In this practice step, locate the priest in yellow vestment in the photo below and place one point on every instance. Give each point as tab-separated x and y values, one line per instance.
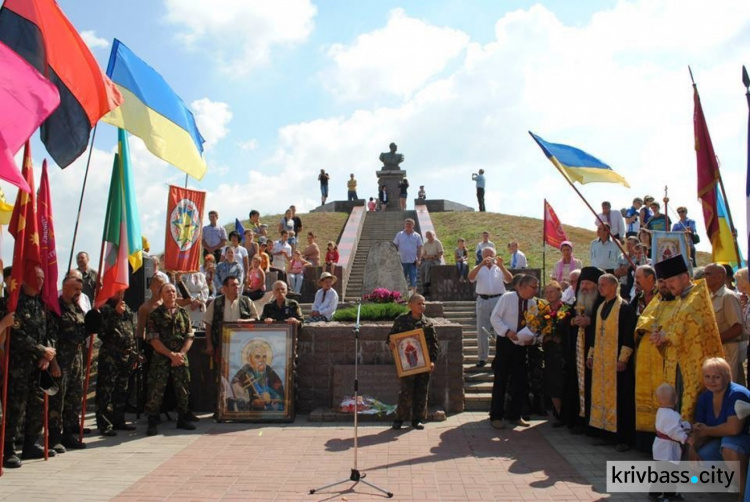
649	362
612	378
690	337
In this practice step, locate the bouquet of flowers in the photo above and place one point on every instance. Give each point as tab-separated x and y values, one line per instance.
546	321
383	295
539	320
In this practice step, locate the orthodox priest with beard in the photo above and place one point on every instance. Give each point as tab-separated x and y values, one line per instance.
610	360
575	408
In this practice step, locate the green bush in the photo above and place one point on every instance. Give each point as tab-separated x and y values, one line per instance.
371	312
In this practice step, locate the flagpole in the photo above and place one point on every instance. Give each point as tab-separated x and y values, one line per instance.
80	202
609	230
92	340
746	83
6	363
544	243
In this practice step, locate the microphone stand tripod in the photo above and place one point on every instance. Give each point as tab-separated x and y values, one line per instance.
356	475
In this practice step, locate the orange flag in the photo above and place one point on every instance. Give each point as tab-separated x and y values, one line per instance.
23	227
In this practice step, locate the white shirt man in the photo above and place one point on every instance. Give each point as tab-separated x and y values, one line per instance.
603	251
614	219
486	243
517	258
490	277
510	365
282	251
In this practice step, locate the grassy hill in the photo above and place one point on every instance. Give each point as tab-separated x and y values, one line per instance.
450	226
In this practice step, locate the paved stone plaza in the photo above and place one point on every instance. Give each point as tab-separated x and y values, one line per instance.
462	458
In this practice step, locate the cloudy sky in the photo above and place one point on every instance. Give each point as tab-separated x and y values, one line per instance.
283	88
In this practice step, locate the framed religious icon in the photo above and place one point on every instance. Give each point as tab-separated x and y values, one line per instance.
410	353
256	374
665	245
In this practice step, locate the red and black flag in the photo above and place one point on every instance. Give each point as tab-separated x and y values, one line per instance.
40	33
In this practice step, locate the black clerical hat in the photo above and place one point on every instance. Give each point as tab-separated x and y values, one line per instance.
671	267
590	274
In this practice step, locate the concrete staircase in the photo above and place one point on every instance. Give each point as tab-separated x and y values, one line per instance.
379	226
477	381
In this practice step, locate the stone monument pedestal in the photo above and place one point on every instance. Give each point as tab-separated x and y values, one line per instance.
391	178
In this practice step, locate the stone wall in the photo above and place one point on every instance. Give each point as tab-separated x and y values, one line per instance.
326	360
442	205
446	287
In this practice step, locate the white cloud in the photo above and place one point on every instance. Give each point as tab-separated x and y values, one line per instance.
212	118
617	87
94	42
249	145
243	33
397	59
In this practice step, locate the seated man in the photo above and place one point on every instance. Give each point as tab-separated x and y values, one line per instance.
326	299
281	309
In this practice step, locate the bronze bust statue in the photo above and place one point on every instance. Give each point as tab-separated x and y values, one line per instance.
391	160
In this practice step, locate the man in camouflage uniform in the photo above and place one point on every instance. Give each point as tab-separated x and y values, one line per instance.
117	357
170	333
412	398
29	353
70	336
282	309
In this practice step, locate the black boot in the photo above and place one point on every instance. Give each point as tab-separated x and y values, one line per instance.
55	441
10	459
119	423
416	425
192	417
153	421
32	450
70	439
184	423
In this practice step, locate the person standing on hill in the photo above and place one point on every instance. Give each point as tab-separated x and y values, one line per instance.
478	178
323	178
351	187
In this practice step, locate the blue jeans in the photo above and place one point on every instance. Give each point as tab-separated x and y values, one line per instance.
324	190
463	269
410	274
712	450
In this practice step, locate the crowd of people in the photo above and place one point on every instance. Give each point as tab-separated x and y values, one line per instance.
140	352
617	346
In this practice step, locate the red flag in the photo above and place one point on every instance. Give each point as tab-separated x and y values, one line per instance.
184	228
23	227
708	169
48	251
554	235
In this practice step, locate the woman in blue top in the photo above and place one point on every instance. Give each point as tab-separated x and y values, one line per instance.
718	433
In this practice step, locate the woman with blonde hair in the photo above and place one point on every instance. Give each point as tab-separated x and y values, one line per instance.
718	433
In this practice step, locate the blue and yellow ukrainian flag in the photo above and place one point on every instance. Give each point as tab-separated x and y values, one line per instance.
723	249
578	165
152	111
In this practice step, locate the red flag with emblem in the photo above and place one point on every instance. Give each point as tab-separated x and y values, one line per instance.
48	250
554	235
182	248
23	228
